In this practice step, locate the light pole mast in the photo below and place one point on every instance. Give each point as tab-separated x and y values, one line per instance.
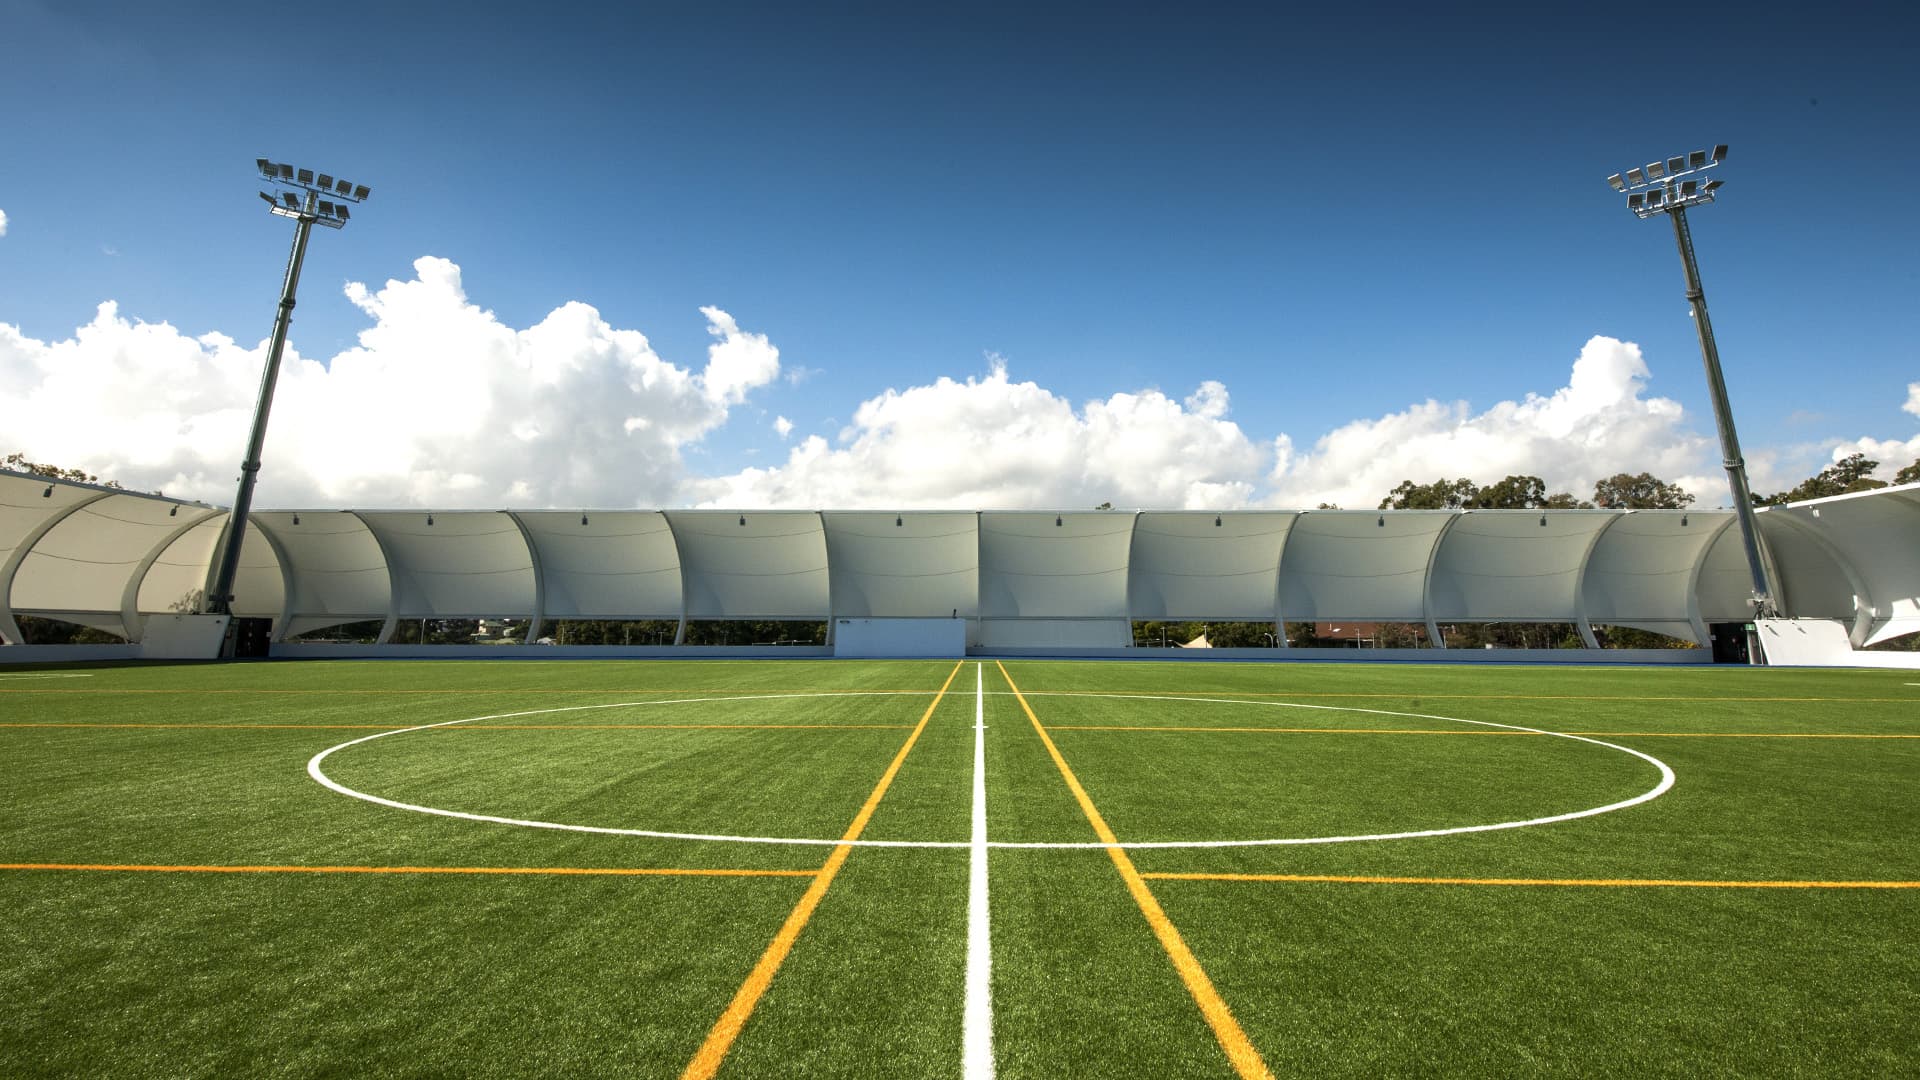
306	205
1669	187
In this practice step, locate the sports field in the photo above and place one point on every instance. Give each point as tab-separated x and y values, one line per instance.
902	869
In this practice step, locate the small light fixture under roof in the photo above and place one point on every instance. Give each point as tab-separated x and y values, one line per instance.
429	520
296	519
47	494
743	519
1057	523
1543	521
1382	522
1618	183
1216	521
583	517
898	521
1683	521
174	510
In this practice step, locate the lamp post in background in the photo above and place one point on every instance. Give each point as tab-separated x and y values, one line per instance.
309	200
1669	187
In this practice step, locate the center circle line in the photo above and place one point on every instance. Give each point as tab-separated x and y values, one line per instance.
319	776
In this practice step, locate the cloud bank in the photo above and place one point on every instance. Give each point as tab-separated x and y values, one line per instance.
441	404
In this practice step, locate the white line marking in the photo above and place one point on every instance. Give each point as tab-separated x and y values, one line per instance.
86	675
1666	783
977	1037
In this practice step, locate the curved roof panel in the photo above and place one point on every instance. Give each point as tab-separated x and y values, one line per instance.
1054	565
333	560
1879	535
466	563
903	565
762	564
85	562
1351	564
1641	569
605	564
1187	565
1513	565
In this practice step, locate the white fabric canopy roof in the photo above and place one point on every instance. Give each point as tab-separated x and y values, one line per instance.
109	559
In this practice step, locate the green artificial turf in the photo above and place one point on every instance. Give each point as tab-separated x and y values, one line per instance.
259	973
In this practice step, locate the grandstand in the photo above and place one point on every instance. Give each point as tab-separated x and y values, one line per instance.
947	583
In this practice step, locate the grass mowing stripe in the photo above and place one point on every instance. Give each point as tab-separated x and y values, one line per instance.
1239	1049
1178	694
1353	879
481	727
585	871
976	1058
1427	731
706	1061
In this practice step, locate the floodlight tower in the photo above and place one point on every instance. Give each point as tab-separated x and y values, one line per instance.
1669	187
308	200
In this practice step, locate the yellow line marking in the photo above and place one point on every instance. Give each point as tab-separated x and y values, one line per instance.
476	727
706	1061
1596	882
591	871
1466	731
1240	1050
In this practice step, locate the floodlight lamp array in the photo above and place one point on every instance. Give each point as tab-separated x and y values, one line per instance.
332	188
1662	186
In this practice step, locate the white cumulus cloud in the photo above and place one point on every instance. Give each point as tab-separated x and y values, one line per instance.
783	425
994	442
1892	454
1598	425
439	404
3	223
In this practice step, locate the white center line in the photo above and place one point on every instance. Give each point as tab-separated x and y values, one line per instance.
977	1033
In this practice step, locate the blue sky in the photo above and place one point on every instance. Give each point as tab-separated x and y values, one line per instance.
1335	216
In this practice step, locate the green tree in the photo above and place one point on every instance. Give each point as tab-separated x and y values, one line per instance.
1439	495
1908	475
18	463
1512	493
1851	473
1642	492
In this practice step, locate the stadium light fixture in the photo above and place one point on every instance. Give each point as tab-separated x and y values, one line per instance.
303	205
1670	188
